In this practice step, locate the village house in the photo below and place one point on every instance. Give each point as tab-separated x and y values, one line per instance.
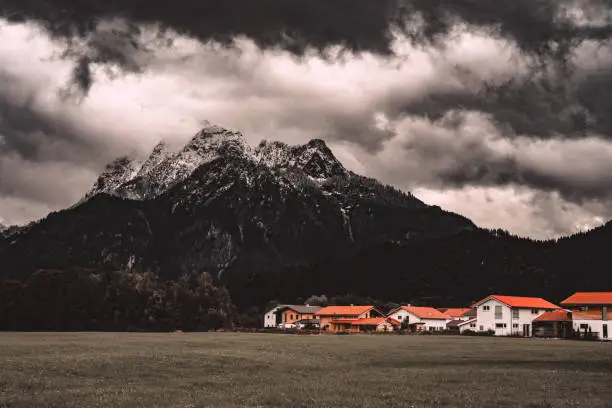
555	324
271	318
510	315
464	313
459	326
289	314
590	312
421	318
353	319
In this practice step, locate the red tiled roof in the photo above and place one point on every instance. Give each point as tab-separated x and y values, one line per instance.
556	316
589	315
373	321
455	312
343	310
426	312
521	301
589	298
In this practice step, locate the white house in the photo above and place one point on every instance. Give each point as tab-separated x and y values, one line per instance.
426	318
510	315
271	318
462	325
591	311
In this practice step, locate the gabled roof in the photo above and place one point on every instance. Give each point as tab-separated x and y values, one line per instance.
344	310
459	323
556	316
589	315
520	301
372	321
456	312
425	312
589	298
302	309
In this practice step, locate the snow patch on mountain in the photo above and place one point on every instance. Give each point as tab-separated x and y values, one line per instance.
314	158
149	178
146	179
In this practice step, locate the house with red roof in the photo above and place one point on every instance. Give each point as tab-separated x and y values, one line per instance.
510	315
421	318
591	312
354	319
555	324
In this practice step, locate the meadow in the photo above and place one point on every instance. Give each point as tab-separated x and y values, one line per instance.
272	370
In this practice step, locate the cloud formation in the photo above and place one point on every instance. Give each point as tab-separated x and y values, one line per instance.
458	101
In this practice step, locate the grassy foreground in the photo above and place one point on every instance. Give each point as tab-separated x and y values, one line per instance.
268	370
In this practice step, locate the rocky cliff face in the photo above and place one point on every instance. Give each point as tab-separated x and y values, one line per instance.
220	205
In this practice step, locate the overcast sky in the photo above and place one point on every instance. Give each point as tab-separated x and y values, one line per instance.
500	112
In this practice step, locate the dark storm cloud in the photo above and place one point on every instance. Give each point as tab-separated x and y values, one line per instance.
36	135
357	24
539	26
272	94
536	107
536	25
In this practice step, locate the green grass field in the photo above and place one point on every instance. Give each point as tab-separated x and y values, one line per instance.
268	370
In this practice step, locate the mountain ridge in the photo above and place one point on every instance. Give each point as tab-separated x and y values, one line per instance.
218	204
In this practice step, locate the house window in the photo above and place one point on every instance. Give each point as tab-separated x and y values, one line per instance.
291	317
500	325
584	326
472	324
485	308
399	317
498	312
515	325
584	308
515	313
535	311
604	313
481	328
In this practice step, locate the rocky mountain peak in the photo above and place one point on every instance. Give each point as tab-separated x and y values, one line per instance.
213	137
114	175
313	158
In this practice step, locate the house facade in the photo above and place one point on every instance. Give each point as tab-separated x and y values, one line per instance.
556	324
510	315
591	313
460	326
289	314
378	324
341	318
421	318
271	317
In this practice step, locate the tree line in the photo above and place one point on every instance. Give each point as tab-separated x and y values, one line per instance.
78	299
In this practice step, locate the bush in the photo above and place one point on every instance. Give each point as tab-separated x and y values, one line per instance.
487	333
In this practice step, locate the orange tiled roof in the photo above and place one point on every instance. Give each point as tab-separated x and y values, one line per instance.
589	315
556	316
343	310
373	321
426	312
589	298
456	312
521	301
